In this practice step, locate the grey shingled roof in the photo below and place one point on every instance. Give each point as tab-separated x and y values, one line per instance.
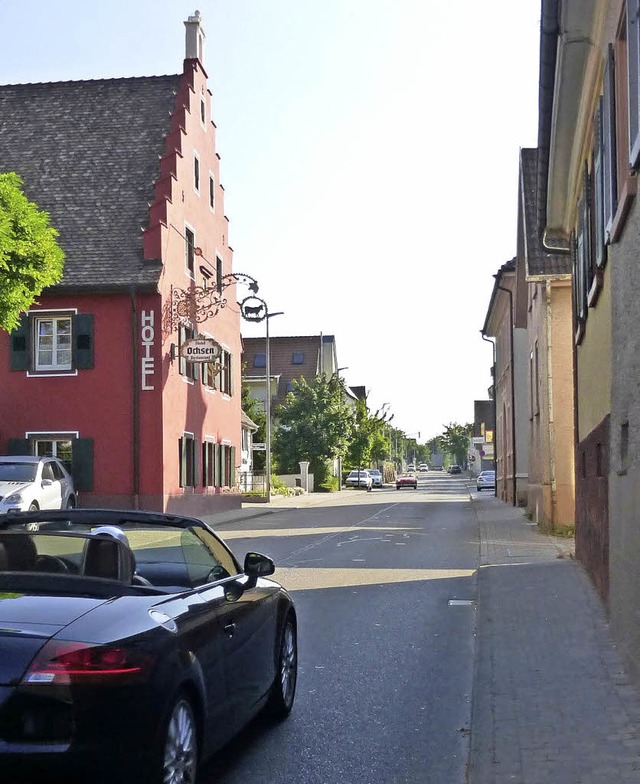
88	154
539	261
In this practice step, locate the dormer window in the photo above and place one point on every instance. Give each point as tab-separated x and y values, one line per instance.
260	360
297	358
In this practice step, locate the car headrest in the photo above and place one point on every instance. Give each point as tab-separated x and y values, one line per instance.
4	558
106	557
20	552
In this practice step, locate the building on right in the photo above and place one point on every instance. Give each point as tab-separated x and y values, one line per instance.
588	159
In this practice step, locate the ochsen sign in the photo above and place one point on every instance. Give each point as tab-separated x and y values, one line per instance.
200	350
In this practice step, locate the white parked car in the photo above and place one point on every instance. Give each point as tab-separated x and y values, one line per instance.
31	482
486	479
376	475
359	479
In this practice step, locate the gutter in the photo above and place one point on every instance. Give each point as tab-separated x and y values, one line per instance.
552	424
135	397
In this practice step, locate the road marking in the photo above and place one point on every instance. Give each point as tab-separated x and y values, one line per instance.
295	579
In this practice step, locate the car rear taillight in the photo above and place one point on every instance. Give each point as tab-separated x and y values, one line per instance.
72	663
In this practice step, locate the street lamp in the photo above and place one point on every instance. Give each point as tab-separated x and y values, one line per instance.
268	403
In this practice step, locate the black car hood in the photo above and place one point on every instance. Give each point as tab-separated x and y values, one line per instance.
27	621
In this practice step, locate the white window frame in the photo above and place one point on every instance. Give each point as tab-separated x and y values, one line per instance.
197	172
203	105
191	274
39	367
212	192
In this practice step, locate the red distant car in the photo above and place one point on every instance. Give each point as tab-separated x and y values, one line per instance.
407	480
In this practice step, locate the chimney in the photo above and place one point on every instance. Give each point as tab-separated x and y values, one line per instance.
194	38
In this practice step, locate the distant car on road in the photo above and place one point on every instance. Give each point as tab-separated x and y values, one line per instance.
29	483
486	479
406	480
423	467
411	467
455	469
359	479
376	476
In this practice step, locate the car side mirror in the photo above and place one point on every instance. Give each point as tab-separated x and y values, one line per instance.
257	565
47	482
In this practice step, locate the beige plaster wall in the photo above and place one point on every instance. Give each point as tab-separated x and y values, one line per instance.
594	364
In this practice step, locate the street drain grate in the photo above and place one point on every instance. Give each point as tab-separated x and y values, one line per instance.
461	602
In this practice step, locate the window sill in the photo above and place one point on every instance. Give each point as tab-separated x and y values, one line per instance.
624	205
596	288
51	373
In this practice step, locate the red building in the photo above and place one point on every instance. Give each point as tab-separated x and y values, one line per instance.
128	171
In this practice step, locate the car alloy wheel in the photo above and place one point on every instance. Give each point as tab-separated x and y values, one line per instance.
180	754
284	685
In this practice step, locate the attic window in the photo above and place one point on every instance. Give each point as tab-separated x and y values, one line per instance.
297	358
260	360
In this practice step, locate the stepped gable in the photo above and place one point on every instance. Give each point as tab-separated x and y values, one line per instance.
88	153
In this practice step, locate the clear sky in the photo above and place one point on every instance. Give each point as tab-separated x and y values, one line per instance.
369	158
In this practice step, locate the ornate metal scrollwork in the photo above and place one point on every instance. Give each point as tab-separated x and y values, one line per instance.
200	303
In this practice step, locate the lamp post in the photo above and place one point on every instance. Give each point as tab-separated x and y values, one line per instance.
267	403
255	309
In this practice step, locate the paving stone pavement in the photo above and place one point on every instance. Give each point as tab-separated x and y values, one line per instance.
552	702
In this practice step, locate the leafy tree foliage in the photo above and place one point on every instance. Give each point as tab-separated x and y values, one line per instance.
315	423
455	441
369	442
30	257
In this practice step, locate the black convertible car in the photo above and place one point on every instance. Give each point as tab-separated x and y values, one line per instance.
133	644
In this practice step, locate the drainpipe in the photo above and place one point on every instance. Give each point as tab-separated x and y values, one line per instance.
495	413
135	424
552	424
513	394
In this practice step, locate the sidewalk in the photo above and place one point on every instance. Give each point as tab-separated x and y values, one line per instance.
551	703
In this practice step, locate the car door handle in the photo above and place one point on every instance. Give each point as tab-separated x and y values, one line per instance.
230	628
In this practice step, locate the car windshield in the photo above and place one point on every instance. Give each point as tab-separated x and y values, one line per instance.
18	472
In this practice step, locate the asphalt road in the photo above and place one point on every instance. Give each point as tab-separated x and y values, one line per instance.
386	658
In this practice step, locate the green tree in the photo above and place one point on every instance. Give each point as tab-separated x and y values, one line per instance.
30	257
254	409
455	441
314	423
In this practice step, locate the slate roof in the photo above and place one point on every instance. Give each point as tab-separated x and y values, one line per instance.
88	154
538	260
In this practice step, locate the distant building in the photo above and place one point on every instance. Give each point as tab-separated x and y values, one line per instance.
292	358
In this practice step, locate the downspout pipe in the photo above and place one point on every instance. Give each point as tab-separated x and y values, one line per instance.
513	393
135	398
495	412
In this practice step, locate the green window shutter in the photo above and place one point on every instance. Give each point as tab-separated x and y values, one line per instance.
232	478
205	463
231	369
194	447
19	446
19	339
218	466
182	363
182	461
83	341
82	463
